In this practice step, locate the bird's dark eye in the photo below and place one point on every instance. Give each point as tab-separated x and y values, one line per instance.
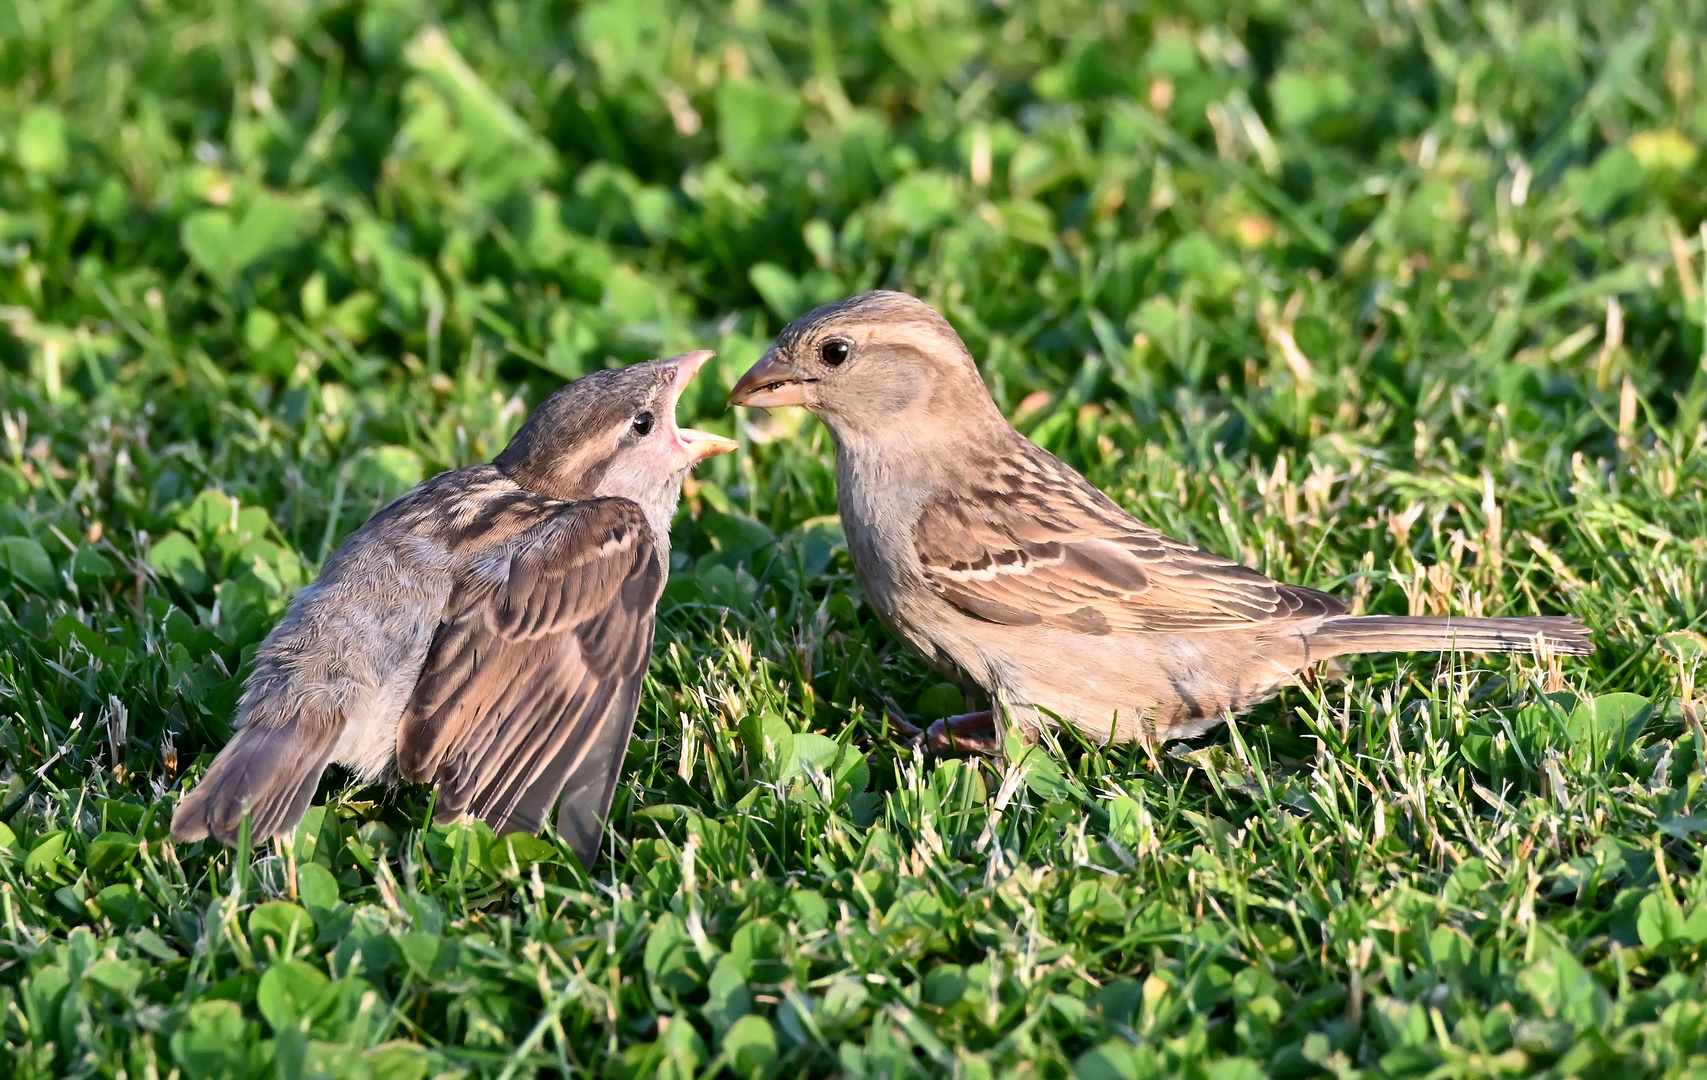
834	352
643	423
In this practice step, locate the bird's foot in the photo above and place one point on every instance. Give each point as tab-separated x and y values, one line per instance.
906	732
968	733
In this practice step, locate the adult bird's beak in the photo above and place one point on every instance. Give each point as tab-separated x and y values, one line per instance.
769	384
698	444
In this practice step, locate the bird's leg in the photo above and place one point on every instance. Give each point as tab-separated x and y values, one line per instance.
968	733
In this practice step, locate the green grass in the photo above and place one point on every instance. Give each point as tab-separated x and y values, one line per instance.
1400	300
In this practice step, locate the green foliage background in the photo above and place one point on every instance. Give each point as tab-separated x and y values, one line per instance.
1402	300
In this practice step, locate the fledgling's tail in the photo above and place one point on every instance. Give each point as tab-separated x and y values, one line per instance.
1448	633
269	770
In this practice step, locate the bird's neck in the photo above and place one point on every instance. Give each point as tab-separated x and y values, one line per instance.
925	453
657	501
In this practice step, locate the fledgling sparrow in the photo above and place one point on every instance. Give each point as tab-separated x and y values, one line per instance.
488	630
1003	566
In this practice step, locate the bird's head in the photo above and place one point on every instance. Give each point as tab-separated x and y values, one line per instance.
614	433
869	364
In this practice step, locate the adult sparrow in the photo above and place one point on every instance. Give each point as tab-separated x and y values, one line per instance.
1005	567
488	630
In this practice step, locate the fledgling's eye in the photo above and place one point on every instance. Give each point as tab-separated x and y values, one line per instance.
834	352
643	423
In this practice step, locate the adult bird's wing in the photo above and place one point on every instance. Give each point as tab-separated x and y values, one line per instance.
1034	543
533	679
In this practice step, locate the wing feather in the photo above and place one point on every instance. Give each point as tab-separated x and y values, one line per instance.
1037	544
536	665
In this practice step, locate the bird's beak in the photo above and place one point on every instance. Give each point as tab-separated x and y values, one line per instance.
703	444
687	365
699	445
769	384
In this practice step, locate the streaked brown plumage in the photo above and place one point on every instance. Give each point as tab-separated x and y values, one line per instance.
488	630
1002	565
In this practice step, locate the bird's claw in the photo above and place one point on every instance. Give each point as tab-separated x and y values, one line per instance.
908	733
968	733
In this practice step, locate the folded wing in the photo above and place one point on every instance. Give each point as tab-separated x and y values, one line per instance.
533	679
1038	545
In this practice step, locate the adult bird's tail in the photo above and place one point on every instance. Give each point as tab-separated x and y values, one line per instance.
269	769
1448	633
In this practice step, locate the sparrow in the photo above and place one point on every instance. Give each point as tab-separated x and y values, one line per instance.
1004	567
487	631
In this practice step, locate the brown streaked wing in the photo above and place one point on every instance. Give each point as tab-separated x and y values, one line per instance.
1036	544
534	676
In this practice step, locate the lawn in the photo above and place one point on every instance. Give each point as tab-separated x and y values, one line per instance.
1399	300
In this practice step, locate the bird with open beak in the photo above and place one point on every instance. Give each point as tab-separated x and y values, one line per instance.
488	630
1002	565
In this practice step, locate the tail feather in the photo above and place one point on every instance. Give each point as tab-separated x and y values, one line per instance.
270	772
1448	633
